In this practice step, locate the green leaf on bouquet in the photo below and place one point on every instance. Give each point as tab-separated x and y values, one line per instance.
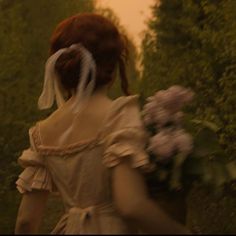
176	174
210	125
179	160
175	183
162	175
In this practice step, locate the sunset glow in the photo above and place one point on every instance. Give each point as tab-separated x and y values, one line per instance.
132	13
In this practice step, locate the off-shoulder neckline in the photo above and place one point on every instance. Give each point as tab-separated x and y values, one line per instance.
35	136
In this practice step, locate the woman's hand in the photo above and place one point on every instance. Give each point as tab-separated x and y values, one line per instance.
132	200
31	211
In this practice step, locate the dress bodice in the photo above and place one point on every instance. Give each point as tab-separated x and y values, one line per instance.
81	172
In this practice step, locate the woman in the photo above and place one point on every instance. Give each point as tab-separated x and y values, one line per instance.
91	149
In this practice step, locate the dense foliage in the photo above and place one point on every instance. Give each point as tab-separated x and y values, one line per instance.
185	150
26	27
193	43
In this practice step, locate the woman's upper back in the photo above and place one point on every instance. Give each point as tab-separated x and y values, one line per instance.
80	168
63	127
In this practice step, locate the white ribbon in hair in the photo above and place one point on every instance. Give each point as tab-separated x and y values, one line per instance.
51	87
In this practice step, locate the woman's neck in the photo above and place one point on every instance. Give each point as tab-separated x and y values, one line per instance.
101	92
98	94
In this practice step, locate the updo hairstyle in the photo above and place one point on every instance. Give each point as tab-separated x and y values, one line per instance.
101	38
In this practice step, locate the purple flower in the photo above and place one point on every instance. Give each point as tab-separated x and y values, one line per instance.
180	97
162	145
183	141
178	117
172	99
161	117
150	99
147	119
163	98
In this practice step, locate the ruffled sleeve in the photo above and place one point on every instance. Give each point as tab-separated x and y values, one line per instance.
35	174
126	136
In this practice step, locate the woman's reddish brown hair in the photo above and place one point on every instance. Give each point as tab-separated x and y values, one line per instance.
98	35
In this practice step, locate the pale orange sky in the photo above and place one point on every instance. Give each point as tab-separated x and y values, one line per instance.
132	14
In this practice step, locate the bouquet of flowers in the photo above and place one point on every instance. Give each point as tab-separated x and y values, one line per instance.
184	150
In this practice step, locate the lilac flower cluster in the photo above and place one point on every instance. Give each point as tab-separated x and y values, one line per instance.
163	110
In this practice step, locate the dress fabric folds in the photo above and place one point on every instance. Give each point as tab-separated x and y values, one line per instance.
81	172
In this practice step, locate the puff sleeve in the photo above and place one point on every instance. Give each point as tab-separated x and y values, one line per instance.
35	174
126	136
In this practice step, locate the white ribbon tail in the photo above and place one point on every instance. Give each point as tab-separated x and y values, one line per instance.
47	96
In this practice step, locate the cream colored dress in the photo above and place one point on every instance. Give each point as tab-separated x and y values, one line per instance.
81	172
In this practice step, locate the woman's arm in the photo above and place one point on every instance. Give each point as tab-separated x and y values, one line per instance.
133	202
31	211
